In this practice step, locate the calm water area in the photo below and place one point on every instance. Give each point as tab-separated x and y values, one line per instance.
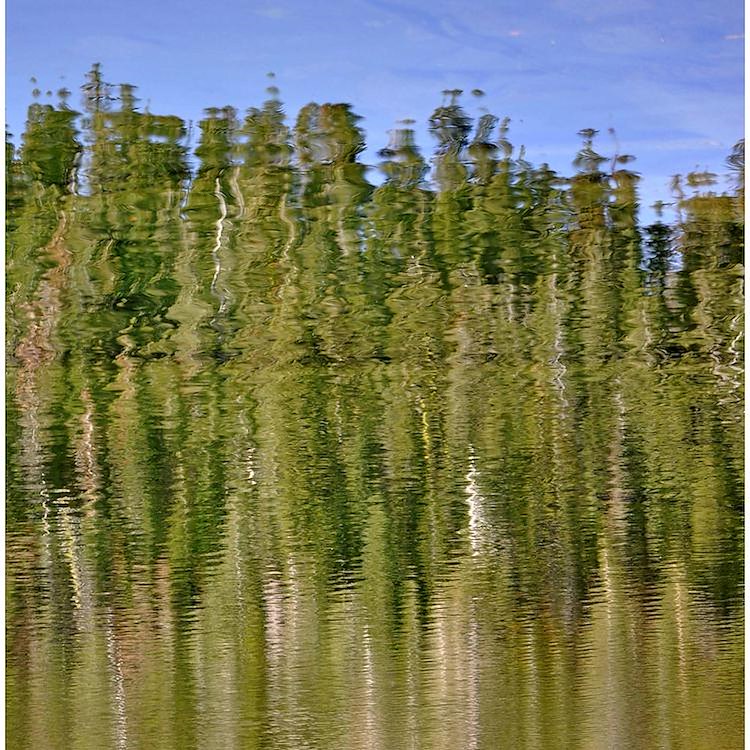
295	460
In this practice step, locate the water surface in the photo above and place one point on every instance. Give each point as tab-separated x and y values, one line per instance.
297	461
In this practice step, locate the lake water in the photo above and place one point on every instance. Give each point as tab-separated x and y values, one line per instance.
298	462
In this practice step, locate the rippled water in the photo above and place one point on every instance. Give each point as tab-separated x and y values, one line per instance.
297	462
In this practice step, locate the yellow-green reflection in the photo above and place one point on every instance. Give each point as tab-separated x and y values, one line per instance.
299	461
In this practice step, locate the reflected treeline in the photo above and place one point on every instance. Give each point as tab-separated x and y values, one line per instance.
298	460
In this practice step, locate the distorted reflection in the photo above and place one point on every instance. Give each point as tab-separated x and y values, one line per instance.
298	461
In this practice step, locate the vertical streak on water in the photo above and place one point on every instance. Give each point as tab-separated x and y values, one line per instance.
294	636
82	595
736	326
73	182
204	718
221	295
680	621
85	455
236	192
473	677
183	646
648	337
531	730
281	601
118	684
224	673
33	352
475	501
665	728
558	365
372	740
88	474
441	696
611	721
274	625
290	224
671	637
31	458
617	482
123	411
272	575
250	469
411	629
429	468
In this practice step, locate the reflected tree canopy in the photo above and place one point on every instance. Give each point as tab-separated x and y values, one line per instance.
453	458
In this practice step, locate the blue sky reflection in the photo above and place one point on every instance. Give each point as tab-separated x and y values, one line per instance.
667	76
